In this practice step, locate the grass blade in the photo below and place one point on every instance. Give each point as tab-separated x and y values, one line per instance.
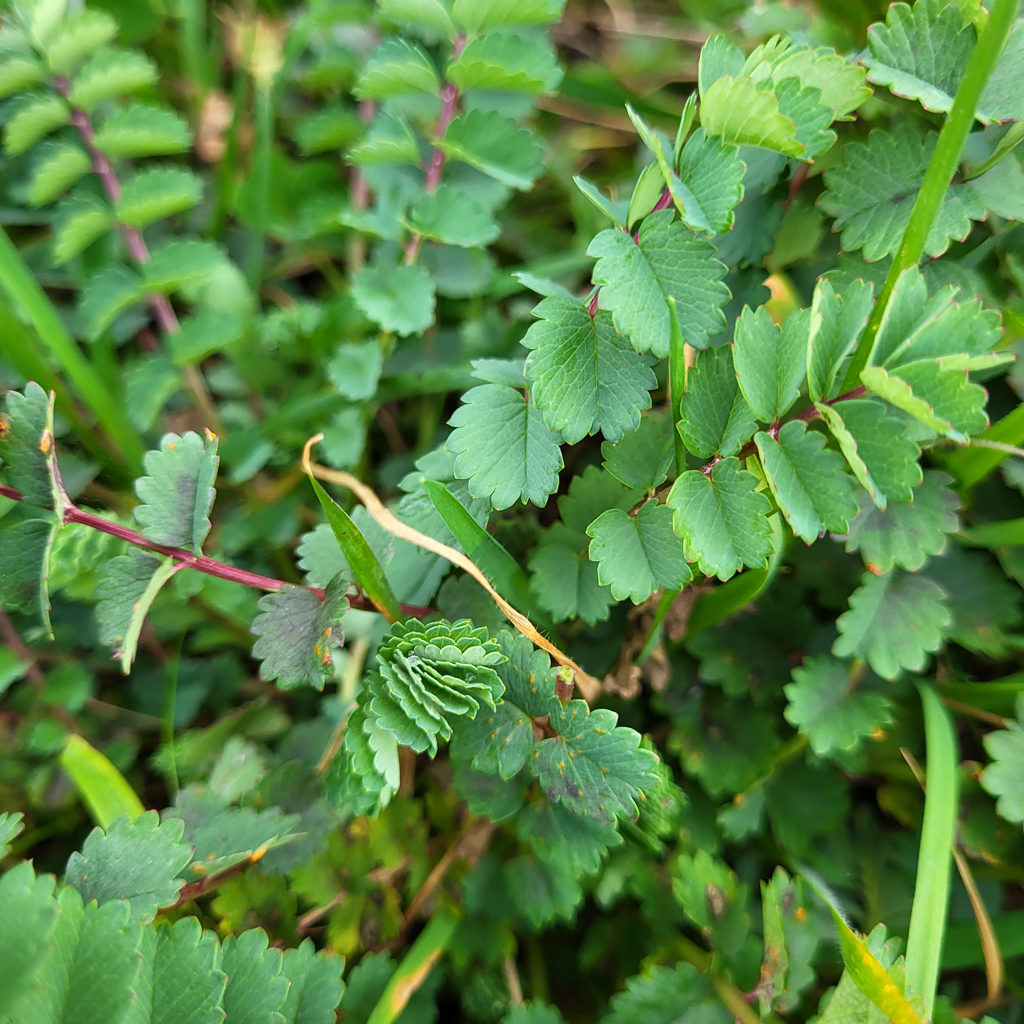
102	787
931	892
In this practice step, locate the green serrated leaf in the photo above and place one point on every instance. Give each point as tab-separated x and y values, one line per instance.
434	15
533	1013
741	113
78	222
666	995
58	165
509	61
555	833
28	915
541	891
481	16
157	193
644	456
895	621
503	447
804	107
256	988
770	362
396	68
390	140
584	376
872	192
355	369
840	82
143	130
637	554
453	217
11	826
77	38
637	278
179	976
1003	777
297	632
315	987
906	533
182	263
34	120
25	543
716	419
110	74
487	794
496	145
23	449
808	481
564	581
712	171
20	72
876	446
107	295
592	765
942	397
135	860
177	492
825	706
399	299
835	325
201	335
722	519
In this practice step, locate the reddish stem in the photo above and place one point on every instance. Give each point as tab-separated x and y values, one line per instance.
202	563
449	103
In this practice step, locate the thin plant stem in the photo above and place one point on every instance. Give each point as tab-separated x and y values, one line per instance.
263	118
201	563
25	293
941	168
163	311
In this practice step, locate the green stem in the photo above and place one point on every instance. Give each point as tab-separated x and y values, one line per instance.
262	148
1006	145
676	382
941	169
415	967
24	291
194	59
931	892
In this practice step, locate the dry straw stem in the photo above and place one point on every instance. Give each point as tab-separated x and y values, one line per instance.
589	687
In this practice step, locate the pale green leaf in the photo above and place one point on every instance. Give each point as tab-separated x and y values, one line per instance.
396	298
496	145
1003	778
396	68
57	166
111	73
739	112
480	16
143	130
33	120
355	369
508	61
181	263
78	222
79	37
157	193
19	72
453	217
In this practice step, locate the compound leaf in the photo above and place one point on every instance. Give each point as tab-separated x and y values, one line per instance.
138	861
496	145
825	706
399	299
894	622
584	375
503	447
872	192
638	278
297	633
722	519
770	361
808	480
177	491
636	554
143	130
593	765
715	418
